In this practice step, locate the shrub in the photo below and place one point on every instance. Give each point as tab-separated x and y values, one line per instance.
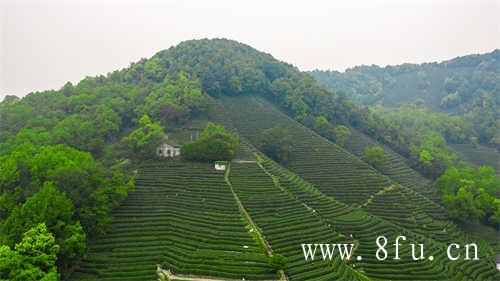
341	133
375	155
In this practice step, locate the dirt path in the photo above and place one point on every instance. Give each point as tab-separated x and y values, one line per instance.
378	193
257	230
169	276
244	161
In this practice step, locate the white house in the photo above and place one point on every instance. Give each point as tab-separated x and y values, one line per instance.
168	149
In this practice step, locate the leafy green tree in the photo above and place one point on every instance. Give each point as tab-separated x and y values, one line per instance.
106	122
276	142
55	210
46	206
92	189
425	157
174	100
341	133
471	194
323	127
78	132
33	258
214	143
39	247
144	140
375	155
433	154
14	116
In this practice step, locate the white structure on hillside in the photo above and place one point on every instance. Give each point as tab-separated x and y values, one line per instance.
168	149
220	165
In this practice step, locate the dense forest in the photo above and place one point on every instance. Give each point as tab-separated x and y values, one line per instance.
68	157
466	86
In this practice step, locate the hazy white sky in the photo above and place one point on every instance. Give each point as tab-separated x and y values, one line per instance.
43	44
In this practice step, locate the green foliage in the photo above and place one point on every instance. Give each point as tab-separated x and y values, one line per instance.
471	194
375	155
323	127
341	133
92	189
144	140
432	154
214	143
425	157
276	142
171	87
33	259
174	100
423	136
78	132
55	210
277	262
464	86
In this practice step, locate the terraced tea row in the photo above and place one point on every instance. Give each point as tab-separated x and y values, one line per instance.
395	166
365	228
478	155
286	223
333	170
311	154
184	217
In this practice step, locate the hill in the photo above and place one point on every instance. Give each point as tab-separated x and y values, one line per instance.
81	145
284	207
467	87
457	85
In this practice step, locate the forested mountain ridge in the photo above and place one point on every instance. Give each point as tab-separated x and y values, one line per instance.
448	86
467	86
79	147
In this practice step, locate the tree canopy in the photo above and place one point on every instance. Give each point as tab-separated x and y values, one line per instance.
276	142
341	133
375	155
144	140
33	258
214	143
471	194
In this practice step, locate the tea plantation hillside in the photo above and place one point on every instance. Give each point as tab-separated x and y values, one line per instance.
340	174
364	228
286	223
183	217
395	166
478	155
87	144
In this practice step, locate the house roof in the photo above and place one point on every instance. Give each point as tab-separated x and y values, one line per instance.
172	143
